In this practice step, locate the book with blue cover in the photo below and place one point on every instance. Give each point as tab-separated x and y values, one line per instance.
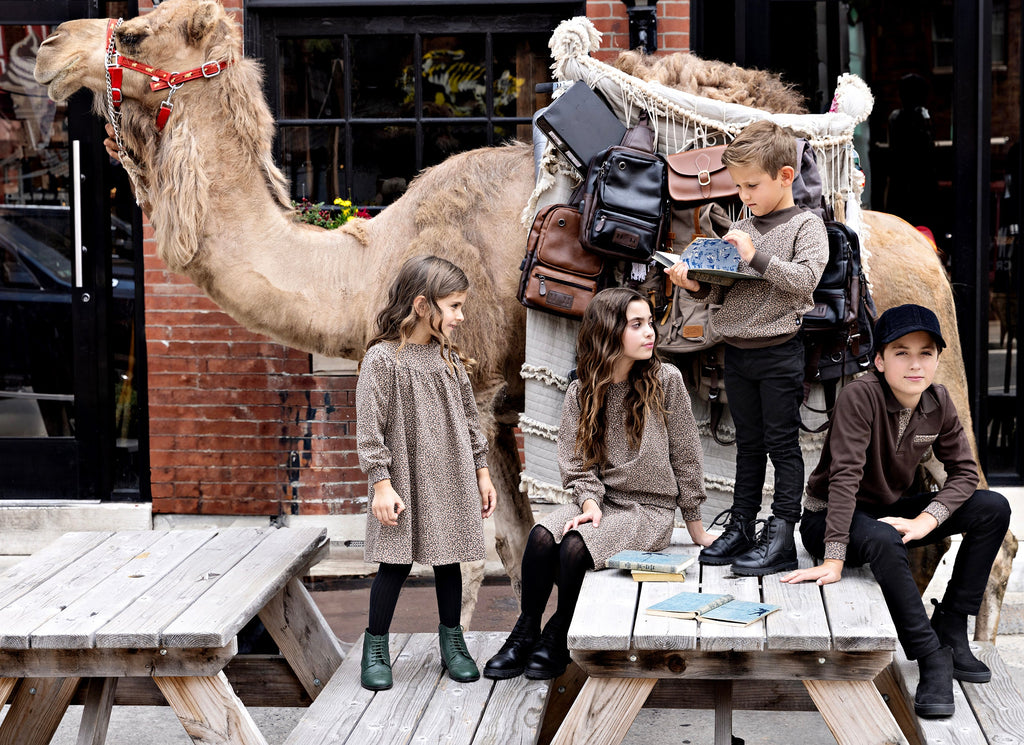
702	606
651	561
708	260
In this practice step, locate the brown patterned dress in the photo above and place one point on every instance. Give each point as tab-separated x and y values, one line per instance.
637	490
417	424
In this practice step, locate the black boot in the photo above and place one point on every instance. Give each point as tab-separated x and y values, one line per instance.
774	551
934	697
510	661
736	539
551	655
951	628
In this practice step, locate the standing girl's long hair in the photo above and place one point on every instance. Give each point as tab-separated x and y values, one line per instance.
598	347
434	278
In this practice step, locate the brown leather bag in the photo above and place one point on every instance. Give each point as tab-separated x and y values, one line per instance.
559	275
698	176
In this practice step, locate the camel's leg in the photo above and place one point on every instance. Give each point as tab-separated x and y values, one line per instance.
987	623
472	578
513	518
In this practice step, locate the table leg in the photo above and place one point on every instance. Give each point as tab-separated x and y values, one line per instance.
210	711
855	712
892	694
6	686
723	712
303	636
99	700
603	711
36	710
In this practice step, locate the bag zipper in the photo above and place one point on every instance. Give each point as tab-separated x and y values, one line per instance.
544	290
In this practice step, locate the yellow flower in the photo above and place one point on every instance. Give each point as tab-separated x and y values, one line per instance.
342	202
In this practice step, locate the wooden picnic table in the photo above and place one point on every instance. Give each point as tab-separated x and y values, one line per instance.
96	607
828	643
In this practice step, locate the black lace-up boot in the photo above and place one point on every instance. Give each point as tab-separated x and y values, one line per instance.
736	539
510	661
774	550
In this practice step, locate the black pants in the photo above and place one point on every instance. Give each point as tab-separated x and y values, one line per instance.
983	519
765	389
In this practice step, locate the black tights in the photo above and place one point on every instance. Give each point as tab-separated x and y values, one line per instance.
388	584
545	563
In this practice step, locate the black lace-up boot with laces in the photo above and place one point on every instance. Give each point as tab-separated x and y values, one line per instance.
736	539
510	661
774	550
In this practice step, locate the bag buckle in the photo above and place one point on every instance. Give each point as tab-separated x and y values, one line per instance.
704	178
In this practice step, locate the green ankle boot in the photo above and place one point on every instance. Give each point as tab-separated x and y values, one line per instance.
454	655
376	666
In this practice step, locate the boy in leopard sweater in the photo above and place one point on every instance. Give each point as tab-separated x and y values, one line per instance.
787	248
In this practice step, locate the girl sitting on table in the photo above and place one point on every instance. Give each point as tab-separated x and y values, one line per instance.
629	452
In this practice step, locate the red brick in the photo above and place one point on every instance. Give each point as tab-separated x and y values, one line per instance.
174	506
598	9
672	25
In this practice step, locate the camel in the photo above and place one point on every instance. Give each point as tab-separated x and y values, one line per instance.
221	215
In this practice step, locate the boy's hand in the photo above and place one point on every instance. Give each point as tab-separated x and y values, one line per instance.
488	495
743	242
829	571
591	514
677	275
386	505
109	144
912	530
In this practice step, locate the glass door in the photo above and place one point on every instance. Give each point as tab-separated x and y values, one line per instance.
68	233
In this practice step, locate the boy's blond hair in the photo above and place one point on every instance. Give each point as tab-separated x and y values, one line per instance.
763	144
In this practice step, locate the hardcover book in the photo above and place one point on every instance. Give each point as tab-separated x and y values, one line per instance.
639	576
713	608
651	561
708	260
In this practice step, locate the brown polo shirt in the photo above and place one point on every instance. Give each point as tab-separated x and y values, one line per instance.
872	450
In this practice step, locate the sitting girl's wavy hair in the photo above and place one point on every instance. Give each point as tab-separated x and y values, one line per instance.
598	347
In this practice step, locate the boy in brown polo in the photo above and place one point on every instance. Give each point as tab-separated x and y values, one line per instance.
858	507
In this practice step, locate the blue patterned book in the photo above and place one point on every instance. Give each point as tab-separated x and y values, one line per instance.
650	561
703	606
708	260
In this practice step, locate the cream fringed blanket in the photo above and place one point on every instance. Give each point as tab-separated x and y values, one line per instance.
681	121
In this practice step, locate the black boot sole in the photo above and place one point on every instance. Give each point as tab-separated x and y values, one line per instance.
547	674
934	711
788	566
972	676
503	674
717	561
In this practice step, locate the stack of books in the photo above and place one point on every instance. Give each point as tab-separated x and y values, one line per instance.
652	566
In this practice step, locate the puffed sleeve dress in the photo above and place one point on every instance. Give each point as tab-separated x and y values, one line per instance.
637	489
417	424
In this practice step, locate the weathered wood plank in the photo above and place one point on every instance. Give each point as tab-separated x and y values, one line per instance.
6	686
604	711
393	715
723	711
857	612
661	632
514	712
997	705
854	712
21	617
141	624
960	729
747	695
76	625
720	637
40	566
343	702
453	713
36	710
114	663
244	589
901	708
303	636
99	700
801	622
605	612
562	694
209	710
766	665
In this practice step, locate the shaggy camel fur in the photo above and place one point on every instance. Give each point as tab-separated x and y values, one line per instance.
220	213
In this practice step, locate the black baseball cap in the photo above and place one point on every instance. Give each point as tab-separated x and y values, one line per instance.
906	319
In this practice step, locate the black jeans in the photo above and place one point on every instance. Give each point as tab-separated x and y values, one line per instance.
765	389
983	519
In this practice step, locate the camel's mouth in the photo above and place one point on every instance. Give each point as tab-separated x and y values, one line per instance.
55	76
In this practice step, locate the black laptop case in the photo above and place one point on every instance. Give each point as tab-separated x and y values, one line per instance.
580	125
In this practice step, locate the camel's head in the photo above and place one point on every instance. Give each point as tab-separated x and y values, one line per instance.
178	35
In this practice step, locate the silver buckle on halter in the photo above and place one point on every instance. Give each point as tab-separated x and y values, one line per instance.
215	67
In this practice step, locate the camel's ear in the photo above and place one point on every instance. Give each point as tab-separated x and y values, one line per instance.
202	23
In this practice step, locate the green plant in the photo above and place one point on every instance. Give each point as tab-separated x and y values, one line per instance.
325	217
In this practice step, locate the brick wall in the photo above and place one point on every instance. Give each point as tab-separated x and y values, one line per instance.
237	424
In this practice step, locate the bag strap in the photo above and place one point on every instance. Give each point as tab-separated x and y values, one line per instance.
641	136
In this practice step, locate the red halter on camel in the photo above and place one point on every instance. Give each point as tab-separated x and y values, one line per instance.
161	79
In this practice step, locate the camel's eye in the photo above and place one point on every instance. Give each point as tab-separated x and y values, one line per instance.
130	40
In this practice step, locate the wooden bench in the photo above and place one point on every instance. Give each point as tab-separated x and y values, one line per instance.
425	705
990	712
